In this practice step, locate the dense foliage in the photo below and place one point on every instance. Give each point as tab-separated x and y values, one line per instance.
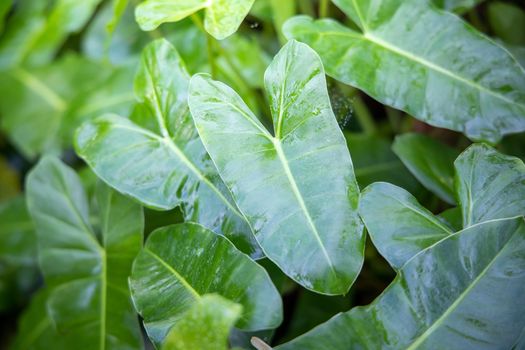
219	174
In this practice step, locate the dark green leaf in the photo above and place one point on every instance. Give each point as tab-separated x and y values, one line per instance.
282	182
431	162
449	296
507	22
159	159
90	297
18	265
426	62
205	326
181	263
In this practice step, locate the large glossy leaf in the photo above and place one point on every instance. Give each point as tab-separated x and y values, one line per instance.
158	158
38	28
489	186
222	19
42	107
431	162
465	292
283	181
181	263
88	277
426	62
18	265
212	316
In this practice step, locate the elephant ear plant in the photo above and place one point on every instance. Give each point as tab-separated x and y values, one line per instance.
288	175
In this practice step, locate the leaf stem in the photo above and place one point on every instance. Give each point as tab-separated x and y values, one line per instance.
209	44
323	8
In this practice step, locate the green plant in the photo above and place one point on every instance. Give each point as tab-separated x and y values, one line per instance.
165	182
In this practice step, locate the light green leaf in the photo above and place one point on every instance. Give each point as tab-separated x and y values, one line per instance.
399	226
489	185
42	107
431	162
426	62
90	297
205	326
222	19
119	6
159	159
471	310
181	263
18	265
37	30
282	182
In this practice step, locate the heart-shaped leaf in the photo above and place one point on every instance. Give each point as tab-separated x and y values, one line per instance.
181	263
282	182
213	316
88	277
449	296
427	62
222	19
489	186
158	158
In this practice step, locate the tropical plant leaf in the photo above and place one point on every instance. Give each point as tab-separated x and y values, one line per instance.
181	263
213	316
88	277
42	107
18	265
36	330
458	6
489	186
374	161
426	62
507	22
399	226
222	18
158	158
471	310
431	162
38	29
281	182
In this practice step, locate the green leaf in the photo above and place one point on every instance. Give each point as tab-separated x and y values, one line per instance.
489	185
205	326
90	297
431	162
42	107
35	34
159	159
222	19
399	226
119	7
5	6
374	161
282	182
18	265
181	263
449	296
426	62
9	180
507	22
36	330
458	6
